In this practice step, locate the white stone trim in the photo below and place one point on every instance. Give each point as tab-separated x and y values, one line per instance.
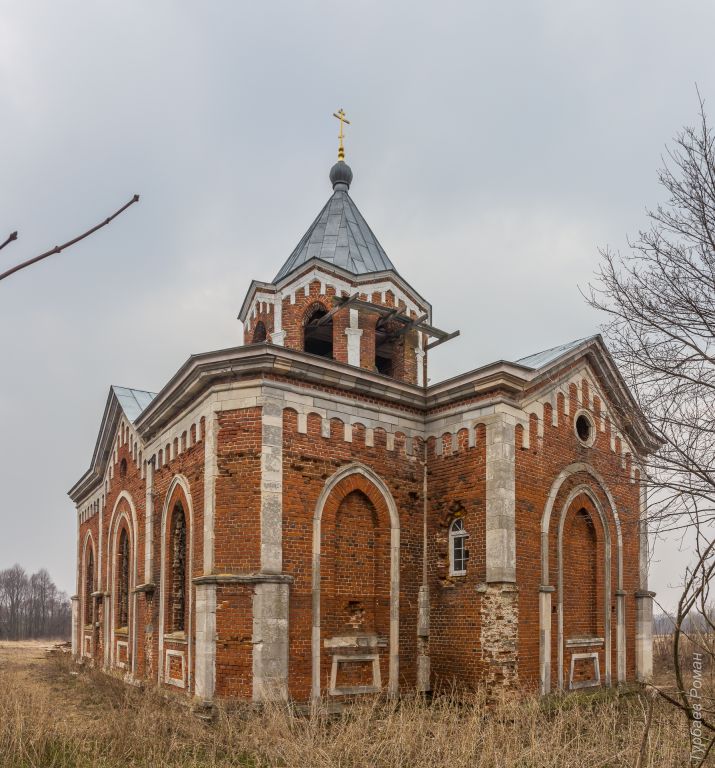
644	598
353	335
272	485
593	431
205	675
77	632
501	499
270	641
121	644
169	653
376	686
595	681
149	521
210	475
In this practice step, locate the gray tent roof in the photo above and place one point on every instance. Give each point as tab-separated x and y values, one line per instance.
133	401
340	236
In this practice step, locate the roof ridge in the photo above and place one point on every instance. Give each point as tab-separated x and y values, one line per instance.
133	389
545	356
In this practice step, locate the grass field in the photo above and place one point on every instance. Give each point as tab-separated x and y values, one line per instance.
54	714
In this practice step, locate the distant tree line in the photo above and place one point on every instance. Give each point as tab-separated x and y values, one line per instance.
31	607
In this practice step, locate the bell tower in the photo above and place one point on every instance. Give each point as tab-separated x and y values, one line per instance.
339	296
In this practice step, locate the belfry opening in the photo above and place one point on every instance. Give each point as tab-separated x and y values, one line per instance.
318	332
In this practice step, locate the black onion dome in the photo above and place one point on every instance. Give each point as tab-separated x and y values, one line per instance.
341	173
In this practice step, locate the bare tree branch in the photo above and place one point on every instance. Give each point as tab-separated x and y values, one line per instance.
659	300
59	248
10	238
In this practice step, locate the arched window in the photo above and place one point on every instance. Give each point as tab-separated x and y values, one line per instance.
88	586
123	468
458	554
259	333
123	580
177	587
318	332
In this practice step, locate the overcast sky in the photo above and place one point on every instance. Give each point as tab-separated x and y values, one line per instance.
495	147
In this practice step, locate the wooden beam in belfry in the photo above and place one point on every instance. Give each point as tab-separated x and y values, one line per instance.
411	324
448	337
343	304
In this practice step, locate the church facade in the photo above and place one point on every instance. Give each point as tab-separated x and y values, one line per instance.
306	516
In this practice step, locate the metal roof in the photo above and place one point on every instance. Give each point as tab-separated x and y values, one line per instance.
340	236
541	359
133	401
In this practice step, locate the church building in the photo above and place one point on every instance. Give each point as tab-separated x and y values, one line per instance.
307	516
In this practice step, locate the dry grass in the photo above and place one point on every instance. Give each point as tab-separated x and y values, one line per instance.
52	716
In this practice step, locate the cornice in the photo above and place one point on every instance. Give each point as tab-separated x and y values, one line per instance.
331	271
504	381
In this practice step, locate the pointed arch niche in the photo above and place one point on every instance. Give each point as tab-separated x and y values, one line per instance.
176	591
582	571
356	585
120	642
89	581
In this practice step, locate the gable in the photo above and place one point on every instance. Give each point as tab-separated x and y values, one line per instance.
124	405
587	365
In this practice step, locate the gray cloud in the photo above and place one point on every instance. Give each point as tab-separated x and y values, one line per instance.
494	146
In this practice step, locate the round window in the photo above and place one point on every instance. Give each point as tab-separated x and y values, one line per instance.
584	428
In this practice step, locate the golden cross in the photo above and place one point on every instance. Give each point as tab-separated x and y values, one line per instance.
343	120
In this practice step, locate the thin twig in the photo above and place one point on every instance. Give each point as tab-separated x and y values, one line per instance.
59	248
12	236
646	732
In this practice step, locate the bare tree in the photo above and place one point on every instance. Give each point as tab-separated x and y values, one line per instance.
13	589
659	297
32	607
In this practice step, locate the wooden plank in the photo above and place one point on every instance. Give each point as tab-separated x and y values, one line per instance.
448	337
343	304
394	311
389	313
411	324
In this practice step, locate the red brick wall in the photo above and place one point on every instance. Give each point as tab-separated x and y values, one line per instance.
237	515
583	578
457	488
234	636
537	467
309	460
